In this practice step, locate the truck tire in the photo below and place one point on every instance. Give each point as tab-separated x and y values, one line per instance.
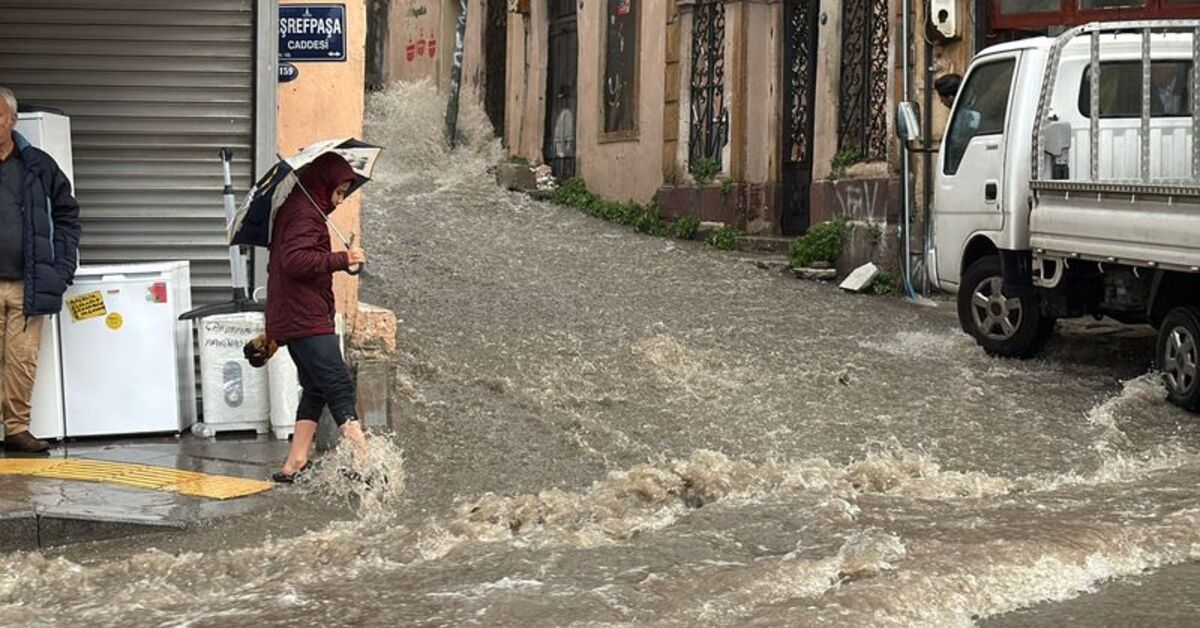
1003	326
1178	356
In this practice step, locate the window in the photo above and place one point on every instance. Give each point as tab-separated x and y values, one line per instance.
1092	5
1121	89
619	91
980	109
863	113
1013	7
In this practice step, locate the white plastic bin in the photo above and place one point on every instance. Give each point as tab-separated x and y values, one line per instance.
285	393
236	395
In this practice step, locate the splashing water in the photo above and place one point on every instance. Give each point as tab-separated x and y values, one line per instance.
373	477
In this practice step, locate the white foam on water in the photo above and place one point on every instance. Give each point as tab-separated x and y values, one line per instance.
1137	394
922	344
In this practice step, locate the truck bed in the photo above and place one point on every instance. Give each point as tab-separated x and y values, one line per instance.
1148	225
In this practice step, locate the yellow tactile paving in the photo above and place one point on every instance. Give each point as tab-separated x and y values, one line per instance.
137	476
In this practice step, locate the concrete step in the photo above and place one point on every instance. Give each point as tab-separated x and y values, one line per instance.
765	244
773	263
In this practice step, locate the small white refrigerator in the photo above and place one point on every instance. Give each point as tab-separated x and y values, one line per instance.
52	133
127	360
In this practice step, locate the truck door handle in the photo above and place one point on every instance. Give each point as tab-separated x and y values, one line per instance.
990	192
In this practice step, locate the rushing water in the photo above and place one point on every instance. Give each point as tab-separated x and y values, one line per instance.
601	428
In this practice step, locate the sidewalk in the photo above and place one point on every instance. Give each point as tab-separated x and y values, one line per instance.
46	512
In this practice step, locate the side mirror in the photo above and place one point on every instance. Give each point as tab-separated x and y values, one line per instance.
1057	140
908	129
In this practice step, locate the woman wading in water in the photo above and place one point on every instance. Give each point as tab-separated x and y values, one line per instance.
300	305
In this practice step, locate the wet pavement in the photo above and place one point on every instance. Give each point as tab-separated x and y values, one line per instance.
41	513
600	428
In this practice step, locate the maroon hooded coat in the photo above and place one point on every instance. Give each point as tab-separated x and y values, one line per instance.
300	300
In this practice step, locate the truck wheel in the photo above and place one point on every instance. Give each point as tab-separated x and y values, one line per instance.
1004	326
1178	355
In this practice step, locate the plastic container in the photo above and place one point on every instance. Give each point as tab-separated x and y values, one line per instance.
284	384
235	394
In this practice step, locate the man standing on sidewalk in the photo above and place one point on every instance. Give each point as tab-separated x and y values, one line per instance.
39	244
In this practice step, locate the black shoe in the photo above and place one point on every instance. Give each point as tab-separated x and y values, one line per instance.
282	478
25	443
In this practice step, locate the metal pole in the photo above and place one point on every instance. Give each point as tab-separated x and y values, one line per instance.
237	264
927	158
906	227
456	75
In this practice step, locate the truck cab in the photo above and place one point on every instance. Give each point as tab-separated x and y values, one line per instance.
1068	184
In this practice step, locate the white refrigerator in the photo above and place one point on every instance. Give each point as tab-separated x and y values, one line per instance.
127	360
51	133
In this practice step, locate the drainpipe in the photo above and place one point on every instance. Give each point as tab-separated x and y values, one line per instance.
927	157
906	220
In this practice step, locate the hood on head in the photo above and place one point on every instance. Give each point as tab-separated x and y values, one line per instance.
323	176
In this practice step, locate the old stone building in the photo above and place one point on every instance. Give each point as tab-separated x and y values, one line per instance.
764	114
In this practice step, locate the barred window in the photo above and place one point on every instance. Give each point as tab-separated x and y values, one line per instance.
619	91
862	124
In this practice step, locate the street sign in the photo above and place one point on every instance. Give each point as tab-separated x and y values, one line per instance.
288	73
312	32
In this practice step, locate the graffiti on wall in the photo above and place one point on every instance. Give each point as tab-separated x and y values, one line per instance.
862	200
420	48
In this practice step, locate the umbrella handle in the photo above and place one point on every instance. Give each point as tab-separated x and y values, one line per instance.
349	242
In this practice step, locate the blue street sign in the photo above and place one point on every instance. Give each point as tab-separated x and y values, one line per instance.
288	72
312	32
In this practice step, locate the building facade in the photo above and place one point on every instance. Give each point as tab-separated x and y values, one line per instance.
756	113
767	115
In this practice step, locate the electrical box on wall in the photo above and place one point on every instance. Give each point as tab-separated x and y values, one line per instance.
943	17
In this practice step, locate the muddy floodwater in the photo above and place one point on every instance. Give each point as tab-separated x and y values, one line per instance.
603	428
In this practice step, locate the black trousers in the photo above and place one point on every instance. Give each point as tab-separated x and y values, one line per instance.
324	378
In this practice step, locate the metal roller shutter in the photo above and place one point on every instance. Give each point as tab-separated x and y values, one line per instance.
153	90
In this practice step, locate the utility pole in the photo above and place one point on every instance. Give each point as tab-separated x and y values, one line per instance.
456	75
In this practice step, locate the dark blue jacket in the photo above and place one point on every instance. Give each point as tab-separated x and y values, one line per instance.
51	227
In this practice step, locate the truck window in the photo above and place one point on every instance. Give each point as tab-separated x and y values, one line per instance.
979	110
1121	89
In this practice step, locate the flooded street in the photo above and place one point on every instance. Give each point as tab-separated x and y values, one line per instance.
604	428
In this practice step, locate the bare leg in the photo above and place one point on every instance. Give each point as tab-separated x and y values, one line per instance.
302	439
352	431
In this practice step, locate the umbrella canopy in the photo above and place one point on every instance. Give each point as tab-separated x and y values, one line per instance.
252	225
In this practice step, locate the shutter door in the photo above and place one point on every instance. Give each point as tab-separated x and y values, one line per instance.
154	89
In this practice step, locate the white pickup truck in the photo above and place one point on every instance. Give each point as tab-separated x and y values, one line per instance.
1068	185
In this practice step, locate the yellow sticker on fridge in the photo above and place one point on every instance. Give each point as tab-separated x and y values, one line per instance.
114	321
87	305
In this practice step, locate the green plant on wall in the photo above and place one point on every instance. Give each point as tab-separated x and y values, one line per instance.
685	228
726	188
822	243
874	231
705	170
574	193
842	160
649	221
725	238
